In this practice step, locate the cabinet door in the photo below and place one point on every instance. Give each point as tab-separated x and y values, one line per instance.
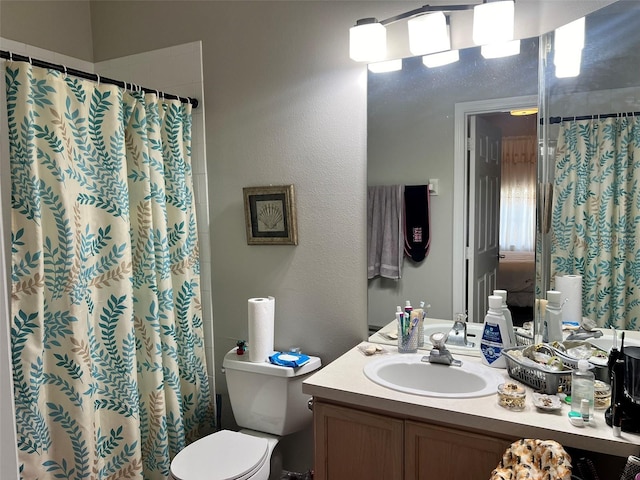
434	452
351	444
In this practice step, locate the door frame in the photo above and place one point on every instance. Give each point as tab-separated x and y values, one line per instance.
463	111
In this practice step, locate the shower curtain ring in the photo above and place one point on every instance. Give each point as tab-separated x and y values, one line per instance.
11	56
98	79
65	71
30	62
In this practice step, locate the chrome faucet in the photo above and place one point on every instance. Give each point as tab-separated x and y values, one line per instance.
439	353
458	333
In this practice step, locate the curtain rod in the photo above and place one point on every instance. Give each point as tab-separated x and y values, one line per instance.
92	76
553	120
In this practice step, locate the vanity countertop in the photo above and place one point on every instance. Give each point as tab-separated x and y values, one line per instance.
343	381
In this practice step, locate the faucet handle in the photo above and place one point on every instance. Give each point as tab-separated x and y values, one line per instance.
461	317
438	339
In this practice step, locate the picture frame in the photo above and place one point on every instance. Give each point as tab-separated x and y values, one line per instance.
270	215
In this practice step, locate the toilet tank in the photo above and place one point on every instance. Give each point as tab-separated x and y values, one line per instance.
266	397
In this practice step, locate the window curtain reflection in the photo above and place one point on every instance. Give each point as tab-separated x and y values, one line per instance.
596	216
518	193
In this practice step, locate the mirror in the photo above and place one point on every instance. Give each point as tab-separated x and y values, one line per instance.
591	158
411	130
411	139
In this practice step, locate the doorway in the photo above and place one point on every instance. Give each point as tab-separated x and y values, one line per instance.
483	257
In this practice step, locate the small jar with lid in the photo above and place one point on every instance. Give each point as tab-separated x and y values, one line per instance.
601	395
512	396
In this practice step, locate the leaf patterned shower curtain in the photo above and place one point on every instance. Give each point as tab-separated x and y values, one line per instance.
596	216
110	379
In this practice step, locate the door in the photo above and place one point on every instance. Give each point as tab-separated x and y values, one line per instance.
483	247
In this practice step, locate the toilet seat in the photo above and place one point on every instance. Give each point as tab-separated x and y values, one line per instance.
224	455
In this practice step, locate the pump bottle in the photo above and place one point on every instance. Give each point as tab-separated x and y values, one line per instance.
495	335
582	390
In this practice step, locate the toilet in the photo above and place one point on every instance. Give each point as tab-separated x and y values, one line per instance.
268	403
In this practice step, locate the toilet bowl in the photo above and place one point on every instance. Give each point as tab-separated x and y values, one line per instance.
268	403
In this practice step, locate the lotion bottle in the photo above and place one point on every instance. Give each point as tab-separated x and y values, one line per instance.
495	335
507	315
552	327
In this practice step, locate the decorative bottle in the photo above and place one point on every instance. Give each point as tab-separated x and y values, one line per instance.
495	335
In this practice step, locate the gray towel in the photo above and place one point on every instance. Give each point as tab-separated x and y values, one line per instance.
384	231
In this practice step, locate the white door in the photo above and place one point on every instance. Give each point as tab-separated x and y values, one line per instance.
485	142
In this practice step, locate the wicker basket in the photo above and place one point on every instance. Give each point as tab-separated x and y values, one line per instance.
541	380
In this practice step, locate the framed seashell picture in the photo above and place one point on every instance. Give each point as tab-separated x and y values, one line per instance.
270	215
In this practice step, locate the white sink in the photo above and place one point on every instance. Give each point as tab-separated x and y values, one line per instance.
605	342
408	373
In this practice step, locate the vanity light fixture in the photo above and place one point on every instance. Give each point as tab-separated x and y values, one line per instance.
440	59
568	45
368	41
429	30
499	50
387	66
493	22
429	33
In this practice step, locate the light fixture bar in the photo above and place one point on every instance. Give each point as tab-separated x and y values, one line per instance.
426	9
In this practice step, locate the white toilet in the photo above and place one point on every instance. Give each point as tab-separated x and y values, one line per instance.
268	402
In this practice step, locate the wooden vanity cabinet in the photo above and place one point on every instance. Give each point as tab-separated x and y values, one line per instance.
435	452
356	444
352	444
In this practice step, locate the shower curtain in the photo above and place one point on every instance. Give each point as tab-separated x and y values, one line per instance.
109	372
596	216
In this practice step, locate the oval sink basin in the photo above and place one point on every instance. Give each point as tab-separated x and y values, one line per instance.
408	373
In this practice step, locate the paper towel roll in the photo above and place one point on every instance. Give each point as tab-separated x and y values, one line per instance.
571	288
261	327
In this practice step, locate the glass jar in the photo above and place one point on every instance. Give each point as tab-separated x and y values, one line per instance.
511	396
601	395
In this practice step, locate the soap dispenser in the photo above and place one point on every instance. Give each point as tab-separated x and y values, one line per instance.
495	335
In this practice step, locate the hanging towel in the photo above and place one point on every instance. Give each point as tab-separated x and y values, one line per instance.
417	232
384	231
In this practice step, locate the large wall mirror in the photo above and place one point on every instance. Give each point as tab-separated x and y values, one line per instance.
591	162
416	118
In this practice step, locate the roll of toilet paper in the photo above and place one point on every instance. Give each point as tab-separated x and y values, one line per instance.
261	328
571	288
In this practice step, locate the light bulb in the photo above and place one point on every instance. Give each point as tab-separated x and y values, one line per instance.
368	41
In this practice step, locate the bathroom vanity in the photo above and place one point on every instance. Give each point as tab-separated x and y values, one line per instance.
365	430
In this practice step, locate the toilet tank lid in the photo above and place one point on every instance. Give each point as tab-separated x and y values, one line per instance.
234	361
